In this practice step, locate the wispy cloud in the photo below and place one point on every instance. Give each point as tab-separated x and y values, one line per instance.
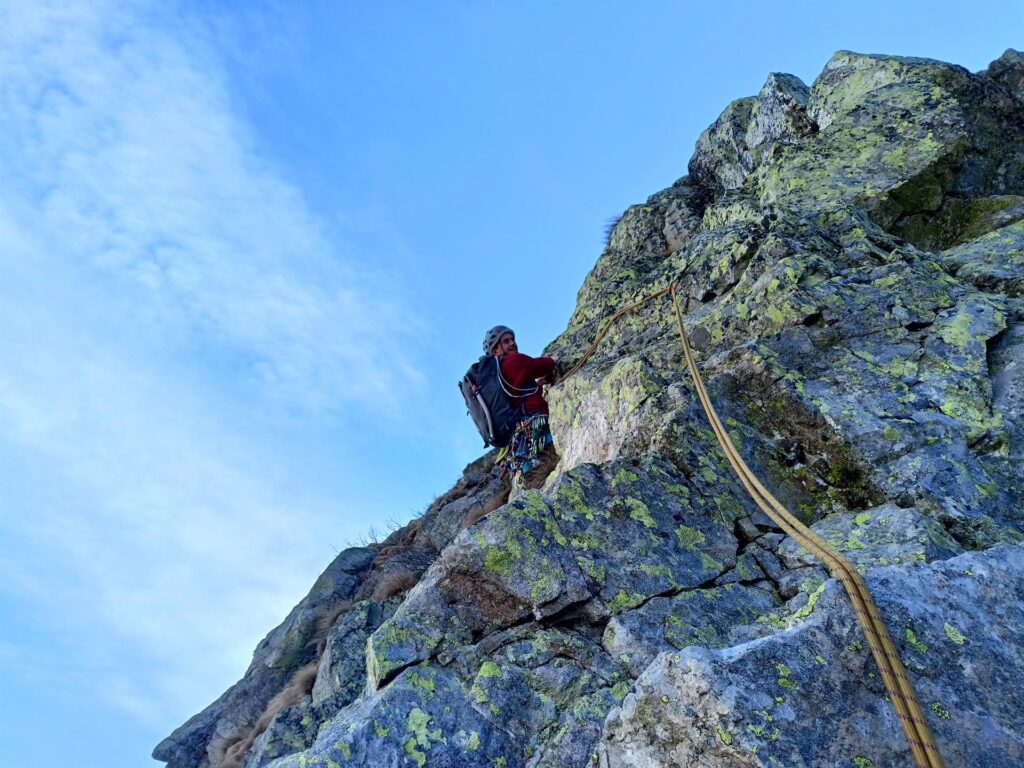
137	170
155	273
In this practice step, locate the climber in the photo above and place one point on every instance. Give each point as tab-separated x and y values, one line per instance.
530	455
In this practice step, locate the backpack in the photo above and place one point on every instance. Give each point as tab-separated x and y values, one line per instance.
488	401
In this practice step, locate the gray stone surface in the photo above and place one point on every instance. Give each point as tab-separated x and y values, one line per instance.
849	256
712	618
994	262
354	574
883	535
721	160
780	115
1008	71
811	696
202	740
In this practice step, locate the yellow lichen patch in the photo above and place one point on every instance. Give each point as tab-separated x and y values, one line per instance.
624	601
784	677
690	538
724	736
490	669
954	634
917	645
639	512
422	737
812	600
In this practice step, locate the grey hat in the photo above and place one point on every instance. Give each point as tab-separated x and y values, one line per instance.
492	336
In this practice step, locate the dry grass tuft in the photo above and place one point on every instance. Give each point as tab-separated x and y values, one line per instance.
609	228
483	508
324	624
386	553
393	583
298	687
454	493
411	530
402	535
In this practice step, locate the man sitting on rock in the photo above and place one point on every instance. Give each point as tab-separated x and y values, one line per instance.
530	455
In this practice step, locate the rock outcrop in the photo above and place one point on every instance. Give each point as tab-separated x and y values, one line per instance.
852	256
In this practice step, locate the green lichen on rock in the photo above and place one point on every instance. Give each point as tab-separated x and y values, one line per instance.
422	737
384	649
689	537
850	264
638	511
785	680
912	640
954	634
812	600
490	669
623	600
723	735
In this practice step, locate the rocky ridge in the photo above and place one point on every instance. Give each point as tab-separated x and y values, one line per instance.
852	255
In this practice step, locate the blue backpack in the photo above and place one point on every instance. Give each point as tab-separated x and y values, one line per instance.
488	399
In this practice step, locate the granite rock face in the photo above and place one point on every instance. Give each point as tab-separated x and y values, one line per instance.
204	738
850	257
810	697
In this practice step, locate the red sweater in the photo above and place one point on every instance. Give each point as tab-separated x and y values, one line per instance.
520	371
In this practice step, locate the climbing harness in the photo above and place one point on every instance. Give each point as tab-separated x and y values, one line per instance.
894	675
531	438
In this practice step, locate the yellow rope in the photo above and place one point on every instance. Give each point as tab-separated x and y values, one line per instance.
901	692
894	675
608	325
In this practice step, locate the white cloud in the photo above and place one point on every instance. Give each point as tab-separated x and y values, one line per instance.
139	172
156	273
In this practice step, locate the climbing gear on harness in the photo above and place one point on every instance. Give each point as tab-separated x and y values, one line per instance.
531	438
894	675
492	336
489	397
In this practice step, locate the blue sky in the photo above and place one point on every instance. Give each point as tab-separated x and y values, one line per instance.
246	250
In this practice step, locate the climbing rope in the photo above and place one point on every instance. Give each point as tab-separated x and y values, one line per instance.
894	675
611	321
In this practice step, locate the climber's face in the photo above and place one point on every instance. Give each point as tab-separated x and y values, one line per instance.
506	345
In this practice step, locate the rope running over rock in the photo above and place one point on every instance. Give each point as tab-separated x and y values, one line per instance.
894	675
